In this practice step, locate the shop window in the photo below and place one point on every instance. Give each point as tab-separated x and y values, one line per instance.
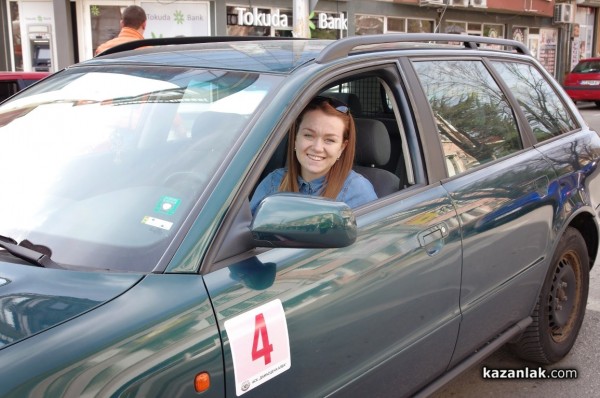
395	25
420	26
368	24
476	124
546	113
455	27
106	23
494	31
519	33
474	29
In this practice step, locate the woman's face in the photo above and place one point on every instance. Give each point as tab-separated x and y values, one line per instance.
319	143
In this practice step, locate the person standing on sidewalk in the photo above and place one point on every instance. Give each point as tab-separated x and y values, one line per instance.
133	24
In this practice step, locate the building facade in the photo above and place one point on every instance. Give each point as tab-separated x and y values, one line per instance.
52	34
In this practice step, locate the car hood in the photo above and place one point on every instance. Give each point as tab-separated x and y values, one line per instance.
33	299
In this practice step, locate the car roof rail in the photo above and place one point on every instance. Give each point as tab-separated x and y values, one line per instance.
342	48
162	41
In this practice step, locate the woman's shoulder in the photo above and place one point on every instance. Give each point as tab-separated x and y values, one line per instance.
355	178
274	175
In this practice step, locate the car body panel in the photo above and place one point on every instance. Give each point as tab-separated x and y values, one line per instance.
166	335
34	299
363	296
510	204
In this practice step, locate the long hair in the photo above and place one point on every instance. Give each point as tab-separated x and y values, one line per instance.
337	174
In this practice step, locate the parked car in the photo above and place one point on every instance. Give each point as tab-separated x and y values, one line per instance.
133	267
583	82
11	82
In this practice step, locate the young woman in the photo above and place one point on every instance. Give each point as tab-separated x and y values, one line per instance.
320	155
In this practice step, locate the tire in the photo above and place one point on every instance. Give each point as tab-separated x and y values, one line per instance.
560	308
597	103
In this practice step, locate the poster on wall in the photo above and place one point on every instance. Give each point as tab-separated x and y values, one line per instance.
176	19
547	49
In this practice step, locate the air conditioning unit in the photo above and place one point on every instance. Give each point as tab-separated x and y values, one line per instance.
564	13
431	3
478	3
458	3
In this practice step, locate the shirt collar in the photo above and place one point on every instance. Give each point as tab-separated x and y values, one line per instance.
311	187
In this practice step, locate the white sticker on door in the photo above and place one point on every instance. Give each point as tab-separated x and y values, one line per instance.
260	345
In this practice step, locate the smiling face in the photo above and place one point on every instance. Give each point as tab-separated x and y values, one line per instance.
319	143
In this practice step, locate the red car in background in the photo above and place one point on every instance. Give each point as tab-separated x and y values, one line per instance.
11	82
583	82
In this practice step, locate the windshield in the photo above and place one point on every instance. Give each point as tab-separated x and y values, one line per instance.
102	165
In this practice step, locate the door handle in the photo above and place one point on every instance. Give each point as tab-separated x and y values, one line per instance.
432	239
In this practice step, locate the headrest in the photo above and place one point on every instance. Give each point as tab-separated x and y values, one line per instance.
349	99
372	143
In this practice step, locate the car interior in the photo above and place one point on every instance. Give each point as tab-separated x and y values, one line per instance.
380	154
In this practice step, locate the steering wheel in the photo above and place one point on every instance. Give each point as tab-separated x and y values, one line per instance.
187	182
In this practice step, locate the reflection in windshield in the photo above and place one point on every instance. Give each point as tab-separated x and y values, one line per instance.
105	164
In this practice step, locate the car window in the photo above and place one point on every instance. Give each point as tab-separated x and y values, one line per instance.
7	88
587	67
117	156
546	113
475	122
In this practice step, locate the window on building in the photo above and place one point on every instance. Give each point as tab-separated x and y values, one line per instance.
455	27
368	24
494	31
420	25
396	25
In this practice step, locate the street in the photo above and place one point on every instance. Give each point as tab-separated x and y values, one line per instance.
584	357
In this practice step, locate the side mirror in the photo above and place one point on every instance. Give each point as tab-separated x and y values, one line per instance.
301	221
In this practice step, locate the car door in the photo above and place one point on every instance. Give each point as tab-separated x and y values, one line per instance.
345	319
380	316
502	189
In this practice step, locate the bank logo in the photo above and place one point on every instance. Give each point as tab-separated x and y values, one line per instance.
178	17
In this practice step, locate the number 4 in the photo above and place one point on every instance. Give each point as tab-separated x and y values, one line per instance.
260	332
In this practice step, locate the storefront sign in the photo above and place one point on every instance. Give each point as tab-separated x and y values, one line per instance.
177	19
257	18
329	22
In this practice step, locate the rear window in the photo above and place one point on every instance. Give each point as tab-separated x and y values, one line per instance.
587	67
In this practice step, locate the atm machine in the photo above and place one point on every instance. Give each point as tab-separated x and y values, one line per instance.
40	37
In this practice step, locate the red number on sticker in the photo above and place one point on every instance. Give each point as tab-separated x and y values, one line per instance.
260	332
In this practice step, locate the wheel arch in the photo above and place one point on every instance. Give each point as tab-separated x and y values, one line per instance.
585	224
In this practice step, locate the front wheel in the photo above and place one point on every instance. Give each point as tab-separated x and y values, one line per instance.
560	308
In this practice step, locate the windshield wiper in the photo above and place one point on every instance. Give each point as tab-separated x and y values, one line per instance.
33	254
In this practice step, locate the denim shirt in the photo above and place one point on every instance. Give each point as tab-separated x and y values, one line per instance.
357	190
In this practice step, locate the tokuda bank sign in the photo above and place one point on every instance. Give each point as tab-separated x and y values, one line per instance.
276	19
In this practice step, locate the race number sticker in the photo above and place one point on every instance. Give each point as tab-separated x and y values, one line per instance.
260	345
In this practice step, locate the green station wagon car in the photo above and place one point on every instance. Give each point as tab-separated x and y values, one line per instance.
131	264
